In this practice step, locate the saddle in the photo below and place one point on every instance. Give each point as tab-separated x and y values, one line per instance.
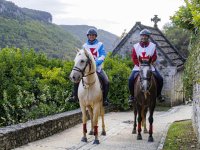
101	82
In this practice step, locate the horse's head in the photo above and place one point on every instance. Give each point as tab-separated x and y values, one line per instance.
145	75
83	65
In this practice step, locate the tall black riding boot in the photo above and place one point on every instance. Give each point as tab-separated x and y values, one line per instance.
159	80
131	81
105	84
159	89
74	96
105	94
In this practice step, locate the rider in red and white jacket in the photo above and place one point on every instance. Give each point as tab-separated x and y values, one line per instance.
144	50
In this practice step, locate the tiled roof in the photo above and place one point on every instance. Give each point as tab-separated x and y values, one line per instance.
162	43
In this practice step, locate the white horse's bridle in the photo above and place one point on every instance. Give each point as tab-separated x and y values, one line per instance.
88	62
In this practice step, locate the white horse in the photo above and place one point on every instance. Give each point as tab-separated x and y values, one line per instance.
89	92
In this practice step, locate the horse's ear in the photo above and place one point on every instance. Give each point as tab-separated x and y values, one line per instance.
140	60
77	49
150	59
86	52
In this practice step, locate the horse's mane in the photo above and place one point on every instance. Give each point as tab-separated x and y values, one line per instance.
89	54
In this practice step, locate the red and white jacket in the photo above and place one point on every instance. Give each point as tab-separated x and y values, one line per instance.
144	51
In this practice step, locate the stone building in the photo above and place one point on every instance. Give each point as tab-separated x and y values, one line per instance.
170	62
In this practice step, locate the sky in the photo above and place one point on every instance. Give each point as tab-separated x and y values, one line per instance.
111	15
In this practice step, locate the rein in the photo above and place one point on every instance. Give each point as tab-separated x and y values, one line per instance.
146	78
83	71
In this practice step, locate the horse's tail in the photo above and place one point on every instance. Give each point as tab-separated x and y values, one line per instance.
143	115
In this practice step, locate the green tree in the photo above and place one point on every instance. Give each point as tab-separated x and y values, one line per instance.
179	37
188	17
194	6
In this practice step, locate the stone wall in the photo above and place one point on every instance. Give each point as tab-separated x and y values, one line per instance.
196	110
23	133
126	49
177	94
173	86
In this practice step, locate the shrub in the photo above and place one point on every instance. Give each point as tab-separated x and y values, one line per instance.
32	86
118	71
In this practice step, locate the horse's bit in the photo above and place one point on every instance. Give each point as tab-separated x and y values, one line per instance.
88	62
144	78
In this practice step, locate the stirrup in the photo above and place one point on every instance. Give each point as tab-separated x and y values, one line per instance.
73	99
131	99
160	99
105	102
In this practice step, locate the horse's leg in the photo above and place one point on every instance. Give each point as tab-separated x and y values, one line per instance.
151	110
103	124
96	114
135	117
139	108
144	120
91	119
84	119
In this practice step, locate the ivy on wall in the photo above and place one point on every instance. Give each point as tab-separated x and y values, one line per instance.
192	68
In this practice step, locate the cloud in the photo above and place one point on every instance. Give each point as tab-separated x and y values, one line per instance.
62	19
110	15
51	6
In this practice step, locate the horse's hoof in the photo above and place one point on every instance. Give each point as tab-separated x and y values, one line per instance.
84	139
150	139
103	133
145	131
139	137
96	142
91	133
134	131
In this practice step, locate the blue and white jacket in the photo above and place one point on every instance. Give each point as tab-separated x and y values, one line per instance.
98	51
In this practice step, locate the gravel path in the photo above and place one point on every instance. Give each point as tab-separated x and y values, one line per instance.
119	137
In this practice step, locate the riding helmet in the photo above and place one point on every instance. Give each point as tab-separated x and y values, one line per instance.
92	31
145	32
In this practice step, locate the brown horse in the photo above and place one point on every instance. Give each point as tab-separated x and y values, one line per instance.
145	89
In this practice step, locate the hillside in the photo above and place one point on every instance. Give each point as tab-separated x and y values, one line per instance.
79	31
27	28
48	38
12	11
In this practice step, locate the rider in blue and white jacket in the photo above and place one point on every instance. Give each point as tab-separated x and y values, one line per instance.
98	51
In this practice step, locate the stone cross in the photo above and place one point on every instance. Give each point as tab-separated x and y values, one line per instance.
155	19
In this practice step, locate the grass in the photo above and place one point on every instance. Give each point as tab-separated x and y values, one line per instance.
181	136
162	108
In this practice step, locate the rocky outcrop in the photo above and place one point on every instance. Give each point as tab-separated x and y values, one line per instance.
12	11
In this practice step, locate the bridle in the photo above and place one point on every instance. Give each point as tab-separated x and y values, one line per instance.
142	78
88	62
82	71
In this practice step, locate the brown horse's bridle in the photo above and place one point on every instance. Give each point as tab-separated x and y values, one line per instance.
145	78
